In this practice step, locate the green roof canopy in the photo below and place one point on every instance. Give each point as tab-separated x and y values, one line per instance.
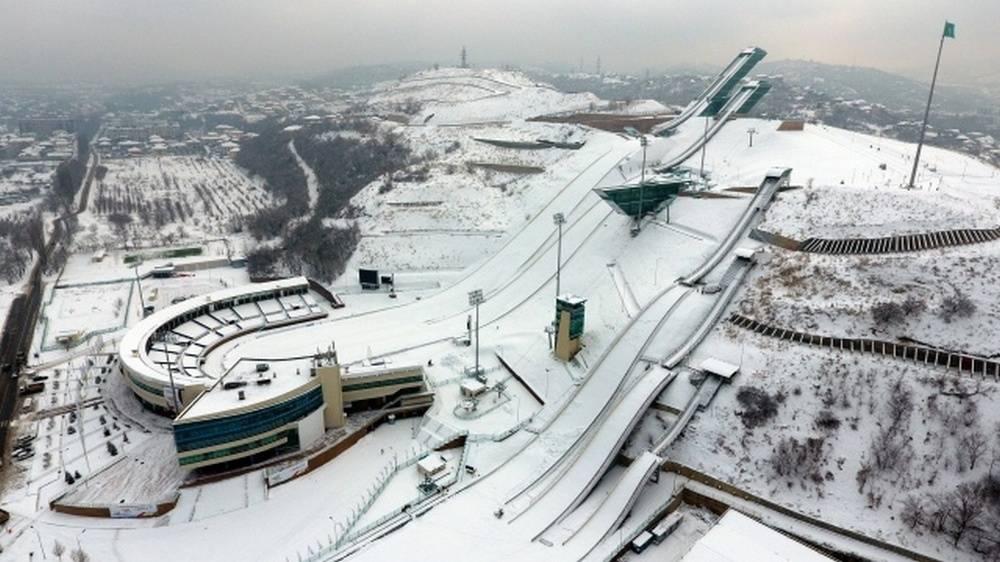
655	196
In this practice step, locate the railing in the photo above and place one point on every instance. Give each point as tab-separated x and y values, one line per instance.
349	534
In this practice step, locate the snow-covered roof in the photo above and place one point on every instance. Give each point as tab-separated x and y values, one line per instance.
738	538
132	349
719	367
219	399
431	464
571	299
472	386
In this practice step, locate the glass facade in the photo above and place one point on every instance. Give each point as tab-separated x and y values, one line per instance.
208	433
291	434
577	311
381	383
148	388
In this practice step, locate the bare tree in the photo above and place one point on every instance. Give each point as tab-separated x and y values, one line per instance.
971	447
58	550
914	512
966	507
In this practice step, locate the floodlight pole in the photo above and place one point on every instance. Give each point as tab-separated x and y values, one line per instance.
704	142
477	340
927	112
170	373
475	299
559	219
642	181
81	380
142	300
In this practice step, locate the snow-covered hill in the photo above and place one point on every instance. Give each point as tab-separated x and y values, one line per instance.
460	95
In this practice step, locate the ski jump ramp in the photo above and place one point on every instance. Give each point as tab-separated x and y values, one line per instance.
718	90
739	103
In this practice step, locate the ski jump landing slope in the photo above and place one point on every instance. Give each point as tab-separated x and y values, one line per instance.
549	497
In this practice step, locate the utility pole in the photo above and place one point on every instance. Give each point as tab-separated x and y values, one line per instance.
598	65
751	131
949	31
475	299
559	219
465	62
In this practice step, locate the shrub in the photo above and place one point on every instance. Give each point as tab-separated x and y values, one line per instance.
758	406
802	459
827	420
958	305
887	313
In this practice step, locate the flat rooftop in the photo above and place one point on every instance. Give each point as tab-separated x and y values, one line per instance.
738	538
283	377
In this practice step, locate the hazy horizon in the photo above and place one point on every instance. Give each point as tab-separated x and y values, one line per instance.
142	42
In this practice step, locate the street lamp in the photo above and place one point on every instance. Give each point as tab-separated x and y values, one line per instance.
475	299
751	132
559	219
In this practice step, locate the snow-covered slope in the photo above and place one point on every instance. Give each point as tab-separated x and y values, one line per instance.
460	212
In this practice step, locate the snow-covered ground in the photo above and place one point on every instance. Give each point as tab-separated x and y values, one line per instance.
855	391
7	295
860	212
841	296
83	310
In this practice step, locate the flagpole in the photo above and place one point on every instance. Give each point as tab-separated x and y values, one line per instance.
927	112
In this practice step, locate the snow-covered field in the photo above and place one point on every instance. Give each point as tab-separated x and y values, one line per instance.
166	200
83	310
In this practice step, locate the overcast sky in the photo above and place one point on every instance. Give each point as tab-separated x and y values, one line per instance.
165	40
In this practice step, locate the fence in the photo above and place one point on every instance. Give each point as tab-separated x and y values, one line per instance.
42	346
696	498
883	245
963	362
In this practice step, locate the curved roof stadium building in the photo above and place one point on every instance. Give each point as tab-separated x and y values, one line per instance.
226	413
